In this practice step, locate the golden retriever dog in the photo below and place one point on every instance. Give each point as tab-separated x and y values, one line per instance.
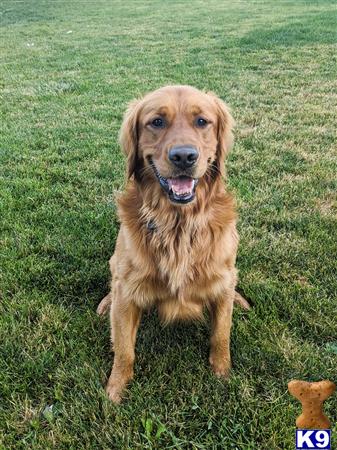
177	243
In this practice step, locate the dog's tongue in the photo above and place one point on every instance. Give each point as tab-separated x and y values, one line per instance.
181	185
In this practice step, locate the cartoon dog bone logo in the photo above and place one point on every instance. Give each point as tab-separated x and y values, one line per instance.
312	396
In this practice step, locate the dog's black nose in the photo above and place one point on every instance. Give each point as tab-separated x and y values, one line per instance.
183	157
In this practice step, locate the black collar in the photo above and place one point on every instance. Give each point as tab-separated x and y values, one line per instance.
151	226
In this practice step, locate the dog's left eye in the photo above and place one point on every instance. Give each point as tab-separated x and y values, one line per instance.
201	122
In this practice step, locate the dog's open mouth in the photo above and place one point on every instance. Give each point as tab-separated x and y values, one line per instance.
180	189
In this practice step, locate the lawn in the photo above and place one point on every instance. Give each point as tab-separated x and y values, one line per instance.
68	70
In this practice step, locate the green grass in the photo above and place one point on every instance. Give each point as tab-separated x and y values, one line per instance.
67	71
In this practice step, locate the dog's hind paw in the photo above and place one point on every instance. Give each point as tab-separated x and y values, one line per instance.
104	306
239	300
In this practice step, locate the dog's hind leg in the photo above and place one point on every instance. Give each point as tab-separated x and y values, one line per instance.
105	304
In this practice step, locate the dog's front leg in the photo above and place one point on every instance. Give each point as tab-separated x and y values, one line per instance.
221	315
125	317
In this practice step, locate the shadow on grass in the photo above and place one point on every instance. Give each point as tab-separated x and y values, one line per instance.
14	13
301	31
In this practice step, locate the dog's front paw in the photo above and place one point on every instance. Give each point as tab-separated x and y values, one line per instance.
220	366
114	391
117	383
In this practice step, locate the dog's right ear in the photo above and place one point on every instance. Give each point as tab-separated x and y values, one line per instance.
128	136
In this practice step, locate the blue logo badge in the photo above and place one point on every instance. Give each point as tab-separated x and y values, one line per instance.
313	439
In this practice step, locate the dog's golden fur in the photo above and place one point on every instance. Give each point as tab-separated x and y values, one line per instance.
179	258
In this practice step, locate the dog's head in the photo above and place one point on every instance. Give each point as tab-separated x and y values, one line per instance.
177	135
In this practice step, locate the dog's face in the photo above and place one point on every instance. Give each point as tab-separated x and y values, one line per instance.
176	135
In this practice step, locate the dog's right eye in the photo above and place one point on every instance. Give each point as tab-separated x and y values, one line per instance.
158	122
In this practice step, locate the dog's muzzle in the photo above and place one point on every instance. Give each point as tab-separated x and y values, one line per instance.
180	189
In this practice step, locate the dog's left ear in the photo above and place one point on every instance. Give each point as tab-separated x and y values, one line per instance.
128	136
224	132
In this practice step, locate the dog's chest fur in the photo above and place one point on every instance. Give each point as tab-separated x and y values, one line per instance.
181	251
178	258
